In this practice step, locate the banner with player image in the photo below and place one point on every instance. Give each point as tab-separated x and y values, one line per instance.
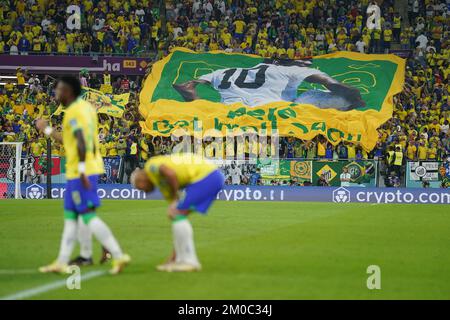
345	96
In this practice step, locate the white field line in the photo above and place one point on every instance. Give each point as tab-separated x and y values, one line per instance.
24	294
18	271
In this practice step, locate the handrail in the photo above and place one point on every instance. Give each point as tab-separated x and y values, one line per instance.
140	54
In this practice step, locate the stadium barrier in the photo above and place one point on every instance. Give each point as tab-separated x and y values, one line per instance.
269	193
279	172
45	64
296	171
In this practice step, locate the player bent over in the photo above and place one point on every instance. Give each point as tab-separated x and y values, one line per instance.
200	180
83	165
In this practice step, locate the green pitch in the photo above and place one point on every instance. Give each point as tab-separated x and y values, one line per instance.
249	250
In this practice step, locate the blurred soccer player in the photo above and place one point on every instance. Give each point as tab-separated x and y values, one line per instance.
200	180
84	164
85	240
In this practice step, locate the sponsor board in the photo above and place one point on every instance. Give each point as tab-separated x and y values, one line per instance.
362	172
34	191
61	64
424	170
435	173
338	195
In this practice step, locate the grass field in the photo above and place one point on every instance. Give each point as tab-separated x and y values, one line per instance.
249	250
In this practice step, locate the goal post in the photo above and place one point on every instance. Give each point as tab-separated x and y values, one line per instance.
10	173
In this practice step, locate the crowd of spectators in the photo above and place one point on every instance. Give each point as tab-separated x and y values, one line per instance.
282	28
277	28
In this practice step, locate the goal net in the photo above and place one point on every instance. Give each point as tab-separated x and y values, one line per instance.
10	171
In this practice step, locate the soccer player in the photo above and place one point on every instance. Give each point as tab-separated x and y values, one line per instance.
274	81
200	180
84	164
85	240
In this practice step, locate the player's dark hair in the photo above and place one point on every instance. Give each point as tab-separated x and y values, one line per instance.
73	83
288	62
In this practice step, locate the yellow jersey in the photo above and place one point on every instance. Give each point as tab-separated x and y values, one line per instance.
80	115
36	148
432	153
321	150
20	78
107	79
422	152
388	35
239	26
189	168
411	152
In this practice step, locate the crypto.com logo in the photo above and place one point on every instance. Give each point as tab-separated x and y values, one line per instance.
34	191
341	195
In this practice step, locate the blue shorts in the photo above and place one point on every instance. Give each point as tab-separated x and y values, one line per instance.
80	200
239	36
200	195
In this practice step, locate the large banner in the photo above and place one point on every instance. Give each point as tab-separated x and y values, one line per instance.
110	104
338	195
344	96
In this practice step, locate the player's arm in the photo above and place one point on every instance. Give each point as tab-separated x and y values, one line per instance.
169	175
81	149
187	89
350	93
43	126
171	179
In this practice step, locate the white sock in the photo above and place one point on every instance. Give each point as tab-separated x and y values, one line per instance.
67	241
183	237
177	242
85	239
105	237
